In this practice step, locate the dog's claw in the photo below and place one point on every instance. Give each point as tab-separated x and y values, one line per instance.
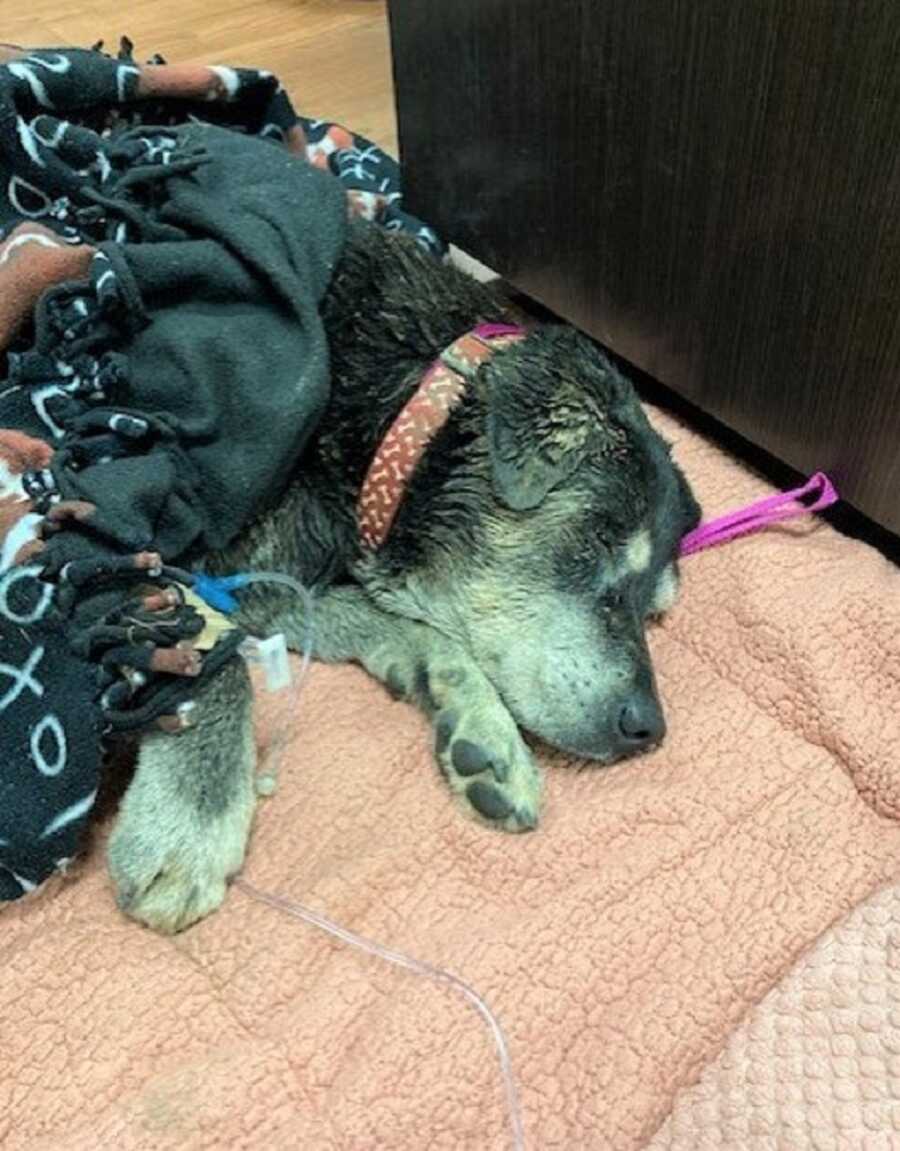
527	820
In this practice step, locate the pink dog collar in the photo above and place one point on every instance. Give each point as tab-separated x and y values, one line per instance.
754	517
399	453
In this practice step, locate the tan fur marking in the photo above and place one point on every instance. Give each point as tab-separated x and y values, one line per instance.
666	591
638	552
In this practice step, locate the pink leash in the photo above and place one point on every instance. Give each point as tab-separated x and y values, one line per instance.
754	517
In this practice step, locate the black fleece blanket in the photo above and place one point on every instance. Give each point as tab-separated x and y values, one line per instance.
164	245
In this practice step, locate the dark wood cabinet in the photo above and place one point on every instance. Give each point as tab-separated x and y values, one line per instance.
710	188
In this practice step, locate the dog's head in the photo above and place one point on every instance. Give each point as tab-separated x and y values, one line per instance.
543	534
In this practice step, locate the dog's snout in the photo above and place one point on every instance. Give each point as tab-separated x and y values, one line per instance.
641	721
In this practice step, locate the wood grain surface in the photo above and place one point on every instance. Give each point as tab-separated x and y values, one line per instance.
333	56
711	189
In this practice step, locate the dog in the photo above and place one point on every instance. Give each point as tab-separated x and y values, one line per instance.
535	539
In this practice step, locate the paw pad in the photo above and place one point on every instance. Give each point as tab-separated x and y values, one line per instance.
446	725
488	801
487	763
472	759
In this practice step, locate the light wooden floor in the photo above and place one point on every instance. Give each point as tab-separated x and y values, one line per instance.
332	56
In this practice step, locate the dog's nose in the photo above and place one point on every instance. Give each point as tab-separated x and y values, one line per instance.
641	721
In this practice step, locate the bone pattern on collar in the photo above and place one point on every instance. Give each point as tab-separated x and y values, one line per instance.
399	453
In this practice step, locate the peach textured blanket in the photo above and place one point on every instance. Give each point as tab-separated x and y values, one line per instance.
620	944
816	1065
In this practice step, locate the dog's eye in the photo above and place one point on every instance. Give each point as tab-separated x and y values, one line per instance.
612	601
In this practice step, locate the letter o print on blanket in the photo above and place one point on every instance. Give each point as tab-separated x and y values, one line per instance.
49	736
49	725
42	600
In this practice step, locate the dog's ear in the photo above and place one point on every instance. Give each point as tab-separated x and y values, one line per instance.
552	402
690	510
533	447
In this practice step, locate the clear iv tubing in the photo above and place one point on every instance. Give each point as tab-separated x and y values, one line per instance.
306	596
437	974
307	915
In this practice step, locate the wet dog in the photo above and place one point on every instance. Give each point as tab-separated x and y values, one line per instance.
535	539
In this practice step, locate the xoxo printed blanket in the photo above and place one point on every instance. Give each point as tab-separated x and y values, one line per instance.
166	236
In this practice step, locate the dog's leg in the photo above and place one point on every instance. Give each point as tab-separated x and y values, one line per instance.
184	822
478	744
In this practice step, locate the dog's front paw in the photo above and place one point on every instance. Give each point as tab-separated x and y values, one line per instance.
488	764
169	863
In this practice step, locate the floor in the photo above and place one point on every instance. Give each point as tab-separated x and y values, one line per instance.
333	56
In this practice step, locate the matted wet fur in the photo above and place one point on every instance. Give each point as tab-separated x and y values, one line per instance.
537	537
